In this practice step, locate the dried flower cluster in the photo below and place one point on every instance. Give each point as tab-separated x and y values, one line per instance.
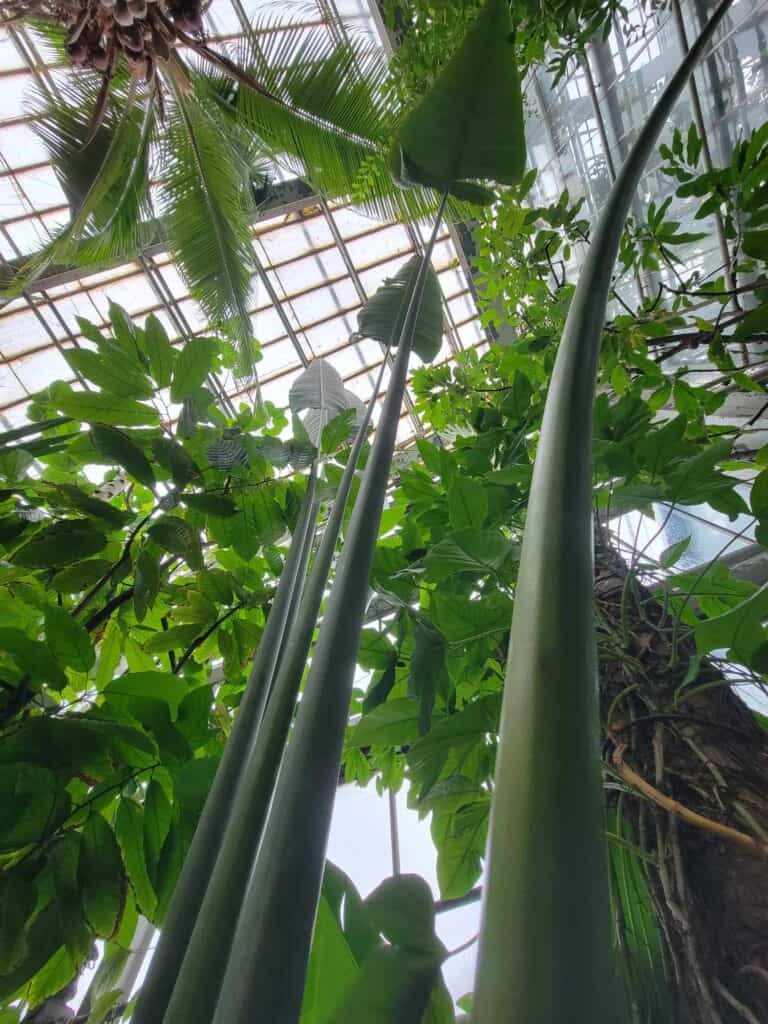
144	31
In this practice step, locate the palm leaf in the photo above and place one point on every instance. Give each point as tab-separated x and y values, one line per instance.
206	215
322	112
104	179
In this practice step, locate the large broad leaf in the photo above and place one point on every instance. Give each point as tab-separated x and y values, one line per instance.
477	551
193	364
470	123
129	827
320	390
402	909
160	685
159	351
178	537
119	375
394	985
99	407
383	315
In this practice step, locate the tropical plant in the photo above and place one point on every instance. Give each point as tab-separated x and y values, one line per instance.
447	566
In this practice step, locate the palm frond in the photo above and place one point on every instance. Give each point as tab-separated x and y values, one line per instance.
320	109
206	215
104	179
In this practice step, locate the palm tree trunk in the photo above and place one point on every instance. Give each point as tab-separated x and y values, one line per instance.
709	754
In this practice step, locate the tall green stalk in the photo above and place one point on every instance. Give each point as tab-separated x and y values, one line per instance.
190	889
545	948
265	977
205	962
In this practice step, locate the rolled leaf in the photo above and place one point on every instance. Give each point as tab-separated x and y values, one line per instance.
191	887
545	943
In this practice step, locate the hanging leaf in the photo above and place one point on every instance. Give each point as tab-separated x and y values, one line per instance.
100	876
402	909
470	122
60	544
129	828
319	387
178	537
173	458
383	315
146	583
117	446
157	820
32	657
68	640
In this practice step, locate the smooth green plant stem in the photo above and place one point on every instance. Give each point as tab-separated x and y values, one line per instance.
202	973
545	950
190	889
264	982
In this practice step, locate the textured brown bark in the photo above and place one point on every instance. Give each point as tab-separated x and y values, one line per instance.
708	753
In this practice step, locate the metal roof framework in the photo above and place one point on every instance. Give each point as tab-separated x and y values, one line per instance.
315	261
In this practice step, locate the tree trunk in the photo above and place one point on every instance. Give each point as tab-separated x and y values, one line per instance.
709	754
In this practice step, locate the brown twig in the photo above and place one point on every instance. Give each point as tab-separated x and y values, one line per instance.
637	782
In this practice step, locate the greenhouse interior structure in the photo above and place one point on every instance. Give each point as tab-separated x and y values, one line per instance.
383	458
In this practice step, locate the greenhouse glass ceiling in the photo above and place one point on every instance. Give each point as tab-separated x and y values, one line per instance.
316	262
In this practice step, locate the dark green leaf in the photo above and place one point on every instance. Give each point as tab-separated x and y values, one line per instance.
211	504
33	804
64	860
61	543
100	876
394	723
402	909
157	821
178	537
162	686
68	640
146	583
123	451
226	454
477	551
169	639
383	315
129	828
426	670
173	458
394	985
78	577
32	657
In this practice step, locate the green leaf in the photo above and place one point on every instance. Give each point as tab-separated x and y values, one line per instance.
463	619
467	503
162	686
98	407
394	985
178	537
32	657
671	555
116	374
402	909
226	454
470	122
331	969
426	669
193	364
100	876
394	723
55	975
17	901
173	458
160	352
320	386
146	583
477	551
68	640
460	839
375	650
74	497
157	821
123	451
110	652
61	543
129	828
211	504
169	639
78	577
758	497
33	804
64	860
383	315
42	940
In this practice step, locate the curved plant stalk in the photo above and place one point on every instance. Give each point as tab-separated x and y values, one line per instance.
267	966
545	948
205	963
190	889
